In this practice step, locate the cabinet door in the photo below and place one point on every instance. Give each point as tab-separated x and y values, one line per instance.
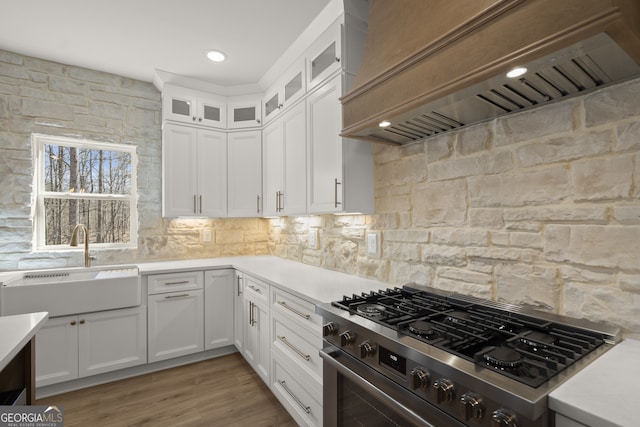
273	167
245	174
324	149
324	57
272	104
244	114
212	112
57	351
112	340
294	127
219	295
179	104
179	165
239	323
257	348
212	173
176	324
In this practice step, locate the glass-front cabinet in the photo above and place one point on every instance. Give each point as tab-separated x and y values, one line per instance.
324	57
285	92
190	106
244	112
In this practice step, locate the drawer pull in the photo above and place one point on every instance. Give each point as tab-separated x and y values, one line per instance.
299	313
255	289
294	348
176	296
183	282
306	409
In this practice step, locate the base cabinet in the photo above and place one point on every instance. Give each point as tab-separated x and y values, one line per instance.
218	308
176	314
73	347
257	342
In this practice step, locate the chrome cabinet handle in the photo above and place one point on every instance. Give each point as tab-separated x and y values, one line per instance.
250	313
201	203
306	409
255	289
258	203
194	204
299	313
294	348
176	296
239	291
182	282
281	200
335	192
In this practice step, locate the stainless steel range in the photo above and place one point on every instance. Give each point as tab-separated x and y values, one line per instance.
420	356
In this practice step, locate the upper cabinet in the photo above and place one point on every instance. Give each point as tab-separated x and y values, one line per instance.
285	92
244	112
189	106
324	57
245	174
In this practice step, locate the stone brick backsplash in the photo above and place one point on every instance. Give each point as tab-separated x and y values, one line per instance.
538	208
38	96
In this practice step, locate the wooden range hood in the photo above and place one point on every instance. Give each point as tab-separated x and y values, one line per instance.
431	66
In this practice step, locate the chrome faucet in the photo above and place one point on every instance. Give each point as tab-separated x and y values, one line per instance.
74	242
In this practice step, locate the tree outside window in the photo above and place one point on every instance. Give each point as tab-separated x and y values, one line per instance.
84	182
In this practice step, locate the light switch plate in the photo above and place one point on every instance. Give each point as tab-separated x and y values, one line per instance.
206	235
313	238
373	244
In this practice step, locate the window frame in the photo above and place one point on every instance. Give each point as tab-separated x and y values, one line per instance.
39	141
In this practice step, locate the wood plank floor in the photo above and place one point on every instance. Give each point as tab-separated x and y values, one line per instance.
218	392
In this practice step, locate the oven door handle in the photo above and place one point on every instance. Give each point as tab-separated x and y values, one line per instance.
374	391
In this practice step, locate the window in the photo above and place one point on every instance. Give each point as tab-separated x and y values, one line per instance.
83	182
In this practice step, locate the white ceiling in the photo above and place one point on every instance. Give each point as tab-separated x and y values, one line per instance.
134	37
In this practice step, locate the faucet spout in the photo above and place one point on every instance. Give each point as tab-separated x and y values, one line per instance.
74	242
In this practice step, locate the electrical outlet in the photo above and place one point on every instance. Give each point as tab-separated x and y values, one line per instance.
206	235
313	238
373	244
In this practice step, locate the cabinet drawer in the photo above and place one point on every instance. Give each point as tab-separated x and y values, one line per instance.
295	396
300	311
174	282
298	346
256	288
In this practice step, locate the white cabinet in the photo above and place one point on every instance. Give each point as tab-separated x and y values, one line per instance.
73	347
296	362
340	171
219	292
189	106
285	92
176	315
324	56
194	171
239	312
257	342
245	174
244	112
284	164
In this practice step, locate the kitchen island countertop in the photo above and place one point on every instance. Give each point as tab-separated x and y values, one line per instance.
16	331
605	393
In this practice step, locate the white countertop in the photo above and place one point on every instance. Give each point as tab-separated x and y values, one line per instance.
315	284
605	393
15	333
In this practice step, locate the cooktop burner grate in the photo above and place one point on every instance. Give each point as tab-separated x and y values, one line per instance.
537	349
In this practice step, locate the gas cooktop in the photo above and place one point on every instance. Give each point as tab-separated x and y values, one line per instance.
526	348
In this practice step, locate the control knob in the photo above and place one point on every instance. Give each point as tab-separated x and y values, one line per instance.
329	329
471	406
367	349
443	390
419	378
503	418
347	338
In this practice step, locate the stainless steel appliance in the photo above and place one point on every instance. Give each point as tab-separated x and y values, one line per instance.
420	356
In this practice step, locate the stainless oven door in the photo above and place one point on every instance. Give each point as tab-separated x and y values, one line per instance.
356	395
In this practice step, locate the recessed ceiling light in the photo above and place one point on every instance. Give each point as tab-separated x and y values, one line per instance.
216	56
516	72
384	124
